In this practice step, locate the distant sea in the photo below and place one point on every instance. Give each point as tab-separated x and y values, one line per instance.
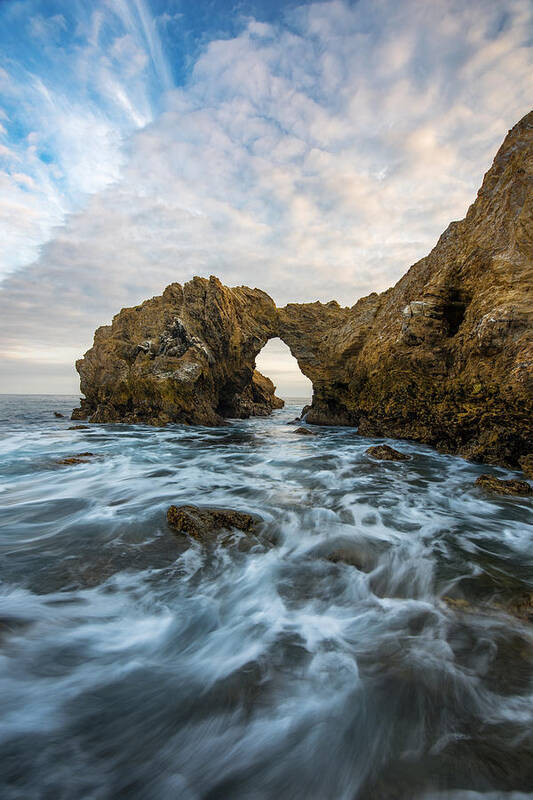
360	649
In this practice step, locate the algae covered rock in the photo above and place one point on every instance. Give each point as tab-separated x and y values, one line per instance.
258	399
526	462
186	356
445	357
301	431
382	452
493	484
79	458
202	523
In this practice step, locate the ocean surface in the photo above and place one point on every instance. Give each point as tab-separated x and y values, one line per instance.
135	664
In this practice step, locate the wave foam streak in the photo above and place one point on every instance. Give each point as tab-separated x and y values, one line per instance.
324	666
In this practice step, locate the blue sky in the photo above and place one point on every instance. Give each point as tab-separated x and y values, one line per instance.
313	149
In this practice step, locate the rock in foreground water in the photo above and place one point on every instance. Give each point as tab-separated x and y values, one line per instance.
493	484
79	458
349	557
382	452
201	523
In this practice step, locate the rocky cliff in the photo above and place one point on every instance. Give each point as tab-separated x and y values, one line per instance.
187	356
444	357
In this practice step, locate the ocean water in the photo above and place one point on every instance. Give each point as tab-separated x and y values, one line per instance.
135	664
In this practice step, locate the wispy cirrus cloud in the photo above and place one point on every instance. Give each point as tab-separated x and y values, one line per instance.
317	155
74	87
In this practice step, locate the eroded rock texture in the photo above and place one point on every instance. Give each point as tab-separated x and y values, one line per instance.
187	356
444	357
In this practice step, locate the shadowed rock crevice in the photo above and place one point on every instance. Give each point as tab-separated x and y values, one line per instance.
444	357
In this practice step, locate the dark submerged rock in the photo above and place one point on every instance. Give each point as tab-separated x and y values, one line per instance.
493	484
82	412
382	452
362	553
491	590
79	458
520	606
58	415
78	428
351	558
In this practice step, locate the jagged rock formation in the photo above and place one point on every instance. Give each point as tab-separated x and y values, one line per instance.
258	399
383	452
444	357
499	486
187	356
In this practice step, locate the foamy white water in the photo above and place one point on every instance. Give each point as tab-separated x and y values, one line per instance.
134	665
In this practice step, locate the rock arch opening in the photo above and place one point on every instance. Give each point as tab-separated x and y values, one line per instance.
276	361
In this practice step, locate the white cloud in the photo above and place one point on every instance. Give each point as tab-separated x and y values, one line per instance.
47	28
81	99
316	159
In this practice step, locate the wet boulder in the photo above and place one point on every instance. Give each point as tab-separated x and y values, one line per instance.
361	552
203	524
515	487
382	452
79	458
58	415
78	428
82	412
304	431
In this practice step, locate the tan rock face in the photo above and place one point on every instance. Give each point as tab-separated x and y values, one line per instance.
187	356
444	357
449	357
258	399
